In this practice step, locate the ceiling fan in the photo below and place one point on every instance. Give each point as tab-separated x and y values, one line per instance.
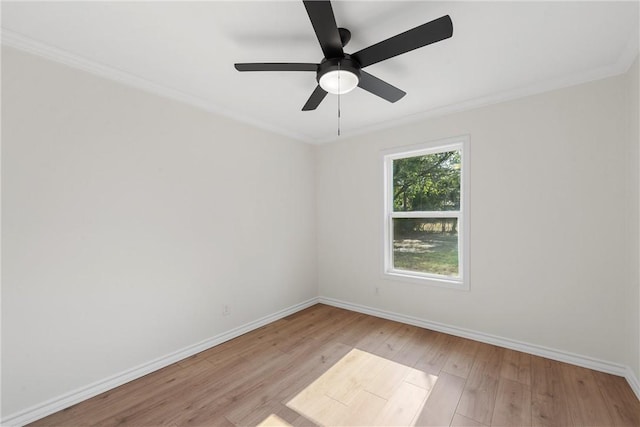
339	72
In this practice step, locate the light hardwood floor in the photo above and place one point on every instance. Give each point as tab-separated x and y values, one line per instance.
327	366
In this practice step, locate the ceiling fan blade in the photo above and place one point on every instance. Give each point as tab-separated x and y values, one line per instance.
423	35
276	66
380	87
315	99
324	24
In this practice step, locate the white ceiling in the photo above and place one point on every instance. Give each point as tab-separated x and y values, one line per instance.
186	50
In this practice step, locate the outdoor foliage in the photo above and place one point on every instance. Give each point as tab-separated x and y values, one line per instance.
427	183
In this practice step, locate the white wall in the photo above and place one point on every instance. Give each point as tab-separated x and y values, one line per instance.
129	220
549	233
634	217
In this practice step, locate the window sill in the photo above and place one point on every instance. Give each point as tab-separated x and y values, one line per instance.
442	282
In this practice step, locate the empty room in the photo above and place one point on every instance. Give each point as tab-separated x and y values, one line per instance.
320	213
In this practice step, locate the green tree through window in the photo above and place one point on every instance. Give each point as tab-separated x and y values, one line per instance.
427	183
424	209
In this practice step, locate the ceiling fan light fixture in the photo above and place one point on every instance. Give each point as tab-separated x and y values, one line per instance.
340	72
339	82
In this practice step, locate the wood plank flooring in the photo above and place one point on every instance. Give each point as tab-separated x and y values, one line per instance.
328	366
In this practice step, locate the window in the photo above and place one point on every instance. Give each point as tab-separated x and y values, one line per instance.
426	207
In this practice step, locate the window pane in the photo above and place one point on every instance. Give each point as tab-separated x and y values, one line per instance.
427	183
427	245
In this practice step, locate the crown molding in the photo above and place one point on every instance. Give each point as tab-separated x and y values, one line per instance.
12	39
621	66
26	44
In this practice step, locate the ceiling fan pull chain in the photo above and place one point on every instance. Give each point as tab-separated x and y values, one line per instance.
332	41
338	98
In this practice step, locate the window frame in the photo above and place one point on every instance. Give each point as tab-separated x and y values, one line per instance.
438	146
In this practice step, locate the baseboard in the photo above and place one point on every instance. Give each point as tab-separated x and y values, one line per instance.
538	350
51	406
632	379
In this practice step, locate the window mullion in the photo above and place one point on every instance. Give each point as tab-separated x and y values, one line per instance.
426	214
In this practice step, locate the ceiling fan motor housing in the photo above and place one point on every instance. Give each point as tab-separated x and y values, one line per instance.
340	73
333	64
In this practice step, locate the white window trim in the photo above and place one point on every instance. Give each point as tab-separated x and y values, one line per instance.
448	144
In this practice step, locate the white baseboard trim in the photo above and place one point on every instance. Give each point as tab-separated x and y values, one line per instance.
51	406
632	379
59	403
538	350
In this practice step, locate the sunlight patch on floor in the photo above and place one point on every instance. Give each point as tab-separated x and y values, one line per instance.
274	421
365	389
